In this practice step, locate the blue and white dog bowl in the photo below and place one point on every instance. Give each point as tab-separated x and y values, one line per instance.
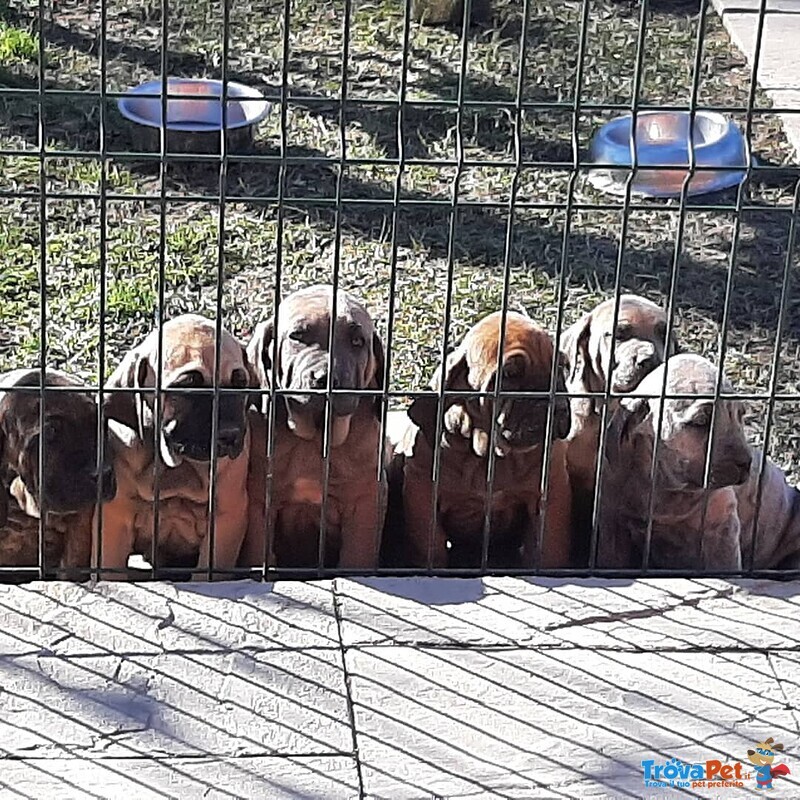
662	140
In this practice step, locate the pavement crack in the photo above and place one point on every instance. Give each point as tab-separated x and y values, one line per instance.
642	613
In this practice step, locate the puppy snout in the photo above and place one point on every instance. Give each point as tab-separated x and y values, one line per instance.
319	379
229	440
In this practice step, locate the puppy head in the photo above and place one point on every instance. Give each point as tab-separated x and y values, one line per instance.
70	446
686	426
188	362
520	422
639	345
301	349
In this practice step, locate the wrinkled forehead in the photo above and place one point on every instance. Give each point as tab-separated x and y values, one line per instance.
640	317
23	407
198	354
312	311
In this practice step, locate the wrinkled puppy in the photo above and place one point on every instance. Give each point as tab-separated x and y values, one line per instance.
693	527
639	347
299	349
71	477
520	426
184	443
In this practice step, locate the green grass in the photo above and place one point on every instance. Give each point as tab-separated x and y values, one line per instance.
16	45
310	230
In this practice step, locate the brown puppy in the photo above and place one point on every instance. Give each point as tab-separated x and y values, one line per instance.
70	473
520	424
299	347
693	527
185	448
639	347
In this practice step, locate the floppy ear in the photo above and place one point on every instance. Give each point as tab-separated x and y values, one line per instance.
575	347
562	418
128	407
628	415
673	348
777	747
3	492
260	352
379	374
252	378
423	410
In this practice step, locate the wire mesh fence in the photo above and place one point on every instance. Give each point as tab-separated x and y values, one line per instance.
432	175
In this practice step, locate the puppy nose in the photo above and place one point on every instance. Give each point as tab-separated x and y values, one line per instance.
319	380
228	437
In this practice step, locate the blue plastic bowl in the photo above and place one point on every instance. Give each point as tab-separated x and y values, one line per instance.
662	140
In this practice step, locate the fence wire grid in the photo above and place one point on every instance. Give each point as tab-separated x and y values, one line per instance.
437	173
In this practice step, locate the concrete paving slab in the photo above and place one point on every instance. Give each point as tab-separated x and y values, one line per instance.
290	702
519	723
686	614
333	778
779	60
121	618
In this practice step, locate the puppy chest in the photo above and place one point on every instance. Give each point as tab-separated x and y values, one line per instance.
19	538
181	524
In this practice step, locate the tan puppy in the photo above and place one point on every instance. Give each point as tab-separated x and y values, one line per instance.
639	347
520	431
70	473
299	347
693	527
184	443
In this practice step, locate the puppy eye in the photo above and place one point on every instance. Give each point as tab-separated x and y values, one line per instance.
239	379
623	334
357	341
701	420
299	335
513	369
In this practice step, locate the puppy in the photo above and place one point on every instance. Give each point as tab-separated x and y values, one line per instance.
299	348
519	424
70	488
185	447
639	347
693	527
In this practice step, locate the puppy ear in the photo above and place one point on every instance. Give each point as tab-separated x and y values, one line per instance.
673	348
128	407
377	382
252	378
3	492
423	410
562	417
260	352
575	348
628	415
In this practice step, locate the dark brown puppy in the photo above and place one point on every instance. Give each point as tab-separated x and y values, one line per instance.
185	446
639	347
70	473
299	347
520	424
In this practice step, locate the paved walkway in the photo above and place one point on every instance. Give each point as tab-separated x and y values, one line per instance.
393	688
779	62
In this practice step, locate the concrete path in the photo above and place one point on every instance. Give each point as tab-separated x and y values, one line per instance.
394	688
779	61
